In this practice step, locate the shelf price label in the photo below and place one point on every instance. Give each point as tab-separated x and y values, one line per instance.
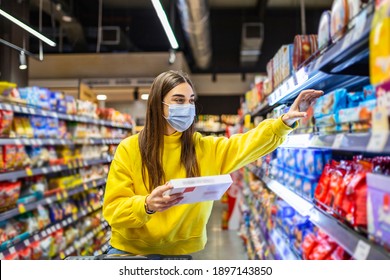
12	250
21	208
378	141
338	141
26	242
362	250
29	171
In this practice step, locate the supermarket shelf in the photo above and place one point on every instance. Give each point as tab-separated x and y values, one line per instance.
20	244
45	113
356	245
20	209
355	142
353	47
336	67
58	142
52	169
82	241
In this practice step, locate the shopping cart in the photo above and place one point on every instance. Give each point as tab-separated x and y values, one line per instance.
131	257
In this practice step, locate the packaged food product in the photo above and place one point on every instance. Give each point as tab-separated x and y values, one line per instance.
6	118
383	95
9	194
304	47
324	38
308	187
9	152
378	208
339	19
330	103
379	45
39	125
309	243
353	9
6	86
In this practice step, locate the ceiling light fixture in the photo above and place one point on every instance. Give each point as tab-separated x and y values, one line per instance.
22	61
66	18
101	97
145	96
28	28
164	21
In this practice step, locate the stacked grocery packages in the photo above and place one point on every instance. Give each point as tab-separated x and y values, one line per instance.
55	153
327	187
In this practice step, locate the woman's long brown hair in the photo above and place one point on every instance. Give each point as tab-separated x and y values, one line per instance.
151	138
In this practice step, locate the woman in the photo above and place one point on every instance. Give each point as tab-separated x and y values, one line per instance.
144	220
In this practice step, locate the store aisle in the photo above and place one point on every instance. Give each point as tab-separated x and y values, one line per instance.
222	244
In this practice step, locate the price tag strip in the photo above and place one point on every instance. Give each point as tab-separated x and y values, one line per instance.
362	250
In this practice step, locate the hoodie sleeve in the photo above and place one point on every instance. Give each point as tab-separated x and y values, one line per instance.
241	149
121	206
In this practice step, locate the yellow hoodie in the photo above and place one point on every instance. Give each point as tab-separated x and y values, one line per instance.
181	229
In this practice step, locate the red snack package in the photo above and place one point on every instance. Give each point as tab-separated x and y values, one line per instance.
308	244
323	250
323	184
335	183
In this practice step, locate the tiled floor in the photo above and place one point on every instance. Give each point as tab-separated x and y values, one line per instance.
222	244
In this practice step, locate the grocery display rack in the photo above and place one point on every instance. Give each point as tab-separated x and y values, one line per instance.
23	240
28	172
354	243
362	142
59	195
59	142
45	113
26	239
342	64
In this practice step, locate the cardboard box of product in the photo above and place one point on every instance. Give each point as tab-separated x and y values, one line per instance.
199	189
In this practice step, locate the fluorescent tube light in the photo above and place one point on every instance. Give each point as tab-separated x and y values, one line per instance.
28	28
144	96
164	21
101	97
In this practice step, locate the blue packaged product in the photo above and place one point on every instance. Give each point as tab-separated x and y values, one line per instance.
327	155
288	227
330	103
290	180
285	177
43	98
325	121
290	159
280	156
39	126
52	128
369	92
298	184
308	187
354	98
284	210
61	102
280	176
314	162
299	160
53	101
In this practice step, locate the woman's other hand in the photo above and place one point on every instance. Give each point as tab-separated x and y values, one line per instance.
158	201
301	104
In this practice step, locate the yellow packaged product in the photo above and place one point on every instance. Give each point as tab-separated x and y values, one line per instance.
18	127
380	45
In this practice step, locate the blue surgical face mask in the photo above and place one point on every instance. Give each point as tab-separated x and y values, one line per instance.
180	116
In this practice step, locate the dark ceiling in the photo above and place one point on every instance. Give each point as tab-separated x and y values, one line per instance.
141	30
